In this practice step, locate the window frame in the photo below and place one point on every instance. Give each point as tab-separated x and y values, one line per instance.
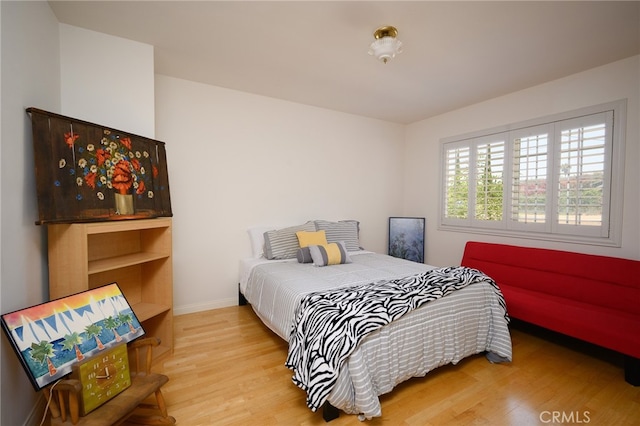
608	234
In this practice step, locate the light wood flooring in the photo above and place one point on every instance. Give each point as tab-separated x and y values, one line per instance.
228	369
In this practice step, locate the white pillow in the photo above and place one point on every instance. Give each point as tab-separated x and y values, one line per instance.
256	236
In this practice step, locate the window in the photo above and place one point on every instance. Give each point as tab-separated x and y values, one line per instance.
555	178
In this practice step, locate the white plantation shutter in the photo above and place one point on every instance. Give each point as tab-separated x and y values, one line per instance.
488	194
582	180
553	178
530	177
456	194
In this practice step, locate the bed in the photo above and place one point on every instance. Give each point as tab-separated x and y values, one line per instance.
468	321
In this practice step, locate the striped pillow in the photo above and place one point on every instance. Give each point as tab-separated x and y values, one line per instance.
304	255
346	232
283	243
330	254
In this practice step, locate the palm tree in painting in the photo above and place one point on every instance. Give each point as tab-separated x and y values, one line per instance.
71	341
127	319
93	331
112	324
42	352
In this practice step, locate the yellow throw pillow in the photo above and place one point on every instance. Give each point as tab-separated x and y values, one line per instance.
307	238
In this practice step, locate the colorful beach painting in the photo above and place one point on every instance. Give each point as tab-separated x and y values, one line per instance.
49	338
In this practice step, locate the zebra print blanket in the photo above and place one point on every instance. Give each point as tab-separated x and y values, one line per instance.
329	325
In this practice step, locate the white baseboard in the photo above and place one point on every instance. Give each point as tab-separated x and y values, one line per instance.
199	307
35	416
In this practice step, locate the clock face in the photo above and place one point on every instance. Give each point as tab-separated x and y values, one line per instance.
102	376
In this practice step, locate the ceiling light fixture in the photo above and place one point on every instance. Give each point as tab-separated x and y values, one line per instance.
386	46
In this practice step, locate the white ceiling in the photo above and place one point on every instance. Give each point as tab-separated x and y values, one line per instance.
455	53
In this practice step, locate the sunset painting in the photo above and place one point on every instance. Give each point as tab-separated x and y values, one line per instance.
49	338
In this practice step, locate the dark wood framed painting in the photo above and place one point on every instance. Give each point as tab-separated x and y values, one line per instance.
406	238
87	172
51	337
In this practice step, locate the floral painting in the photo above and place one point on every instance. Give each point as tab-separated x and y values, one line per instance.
49	338
406	238
88	172
113	165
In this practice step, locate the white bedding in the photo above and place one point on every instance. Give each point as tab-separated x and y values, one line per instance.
277	286
444	331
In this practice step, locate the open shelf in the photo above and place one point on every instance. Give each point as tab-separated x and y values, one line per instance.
144	311
102	265
137	254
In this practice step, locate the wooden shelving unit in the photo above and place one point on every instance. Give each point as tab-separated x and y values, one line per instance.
137	254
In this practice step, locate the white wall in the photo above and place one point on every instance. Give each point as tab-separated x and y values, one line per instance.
238	160
235	160
30	77
107	80
422	163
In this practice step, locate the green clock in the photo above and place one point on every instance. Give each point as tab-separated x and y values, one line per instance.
102	377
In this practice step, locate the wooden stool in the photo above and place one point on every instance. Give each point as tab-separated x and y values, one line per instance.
129	406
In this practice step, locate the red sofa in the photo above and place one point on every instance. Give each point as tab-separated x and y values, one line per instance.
592	298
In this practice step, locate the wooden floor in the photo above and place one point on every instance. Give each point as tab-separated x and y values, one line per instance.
228	369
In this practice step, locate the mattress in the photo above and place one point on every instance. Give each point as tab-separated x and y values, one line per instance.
443	331
274	288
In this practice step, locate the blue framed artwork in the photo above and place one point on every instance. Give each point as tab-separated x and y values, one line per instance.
406	238
51	337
